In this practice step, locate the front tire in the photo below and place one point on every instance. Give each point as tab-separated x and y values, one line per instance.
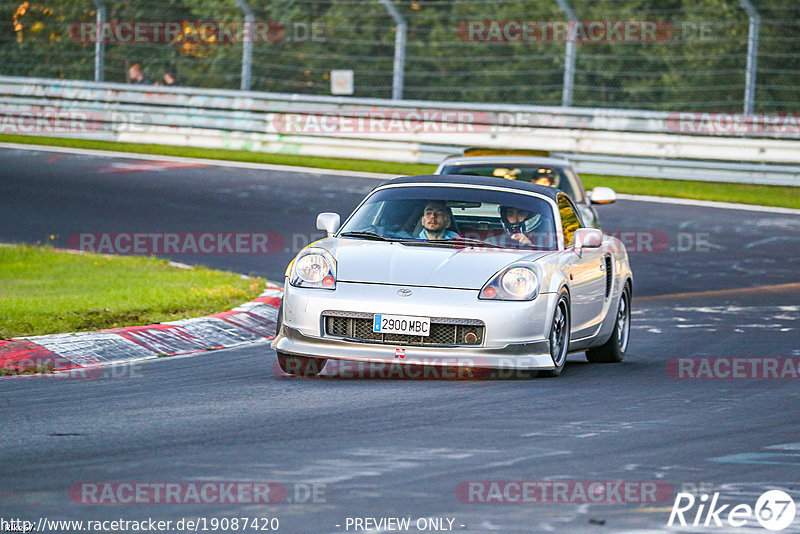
613	350
303	366
559	336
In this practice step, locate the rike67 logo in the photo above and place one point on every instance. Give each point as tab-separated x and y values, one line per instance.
774	510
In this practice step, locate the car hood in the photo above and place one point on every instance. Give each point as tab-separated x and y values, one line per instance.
398	264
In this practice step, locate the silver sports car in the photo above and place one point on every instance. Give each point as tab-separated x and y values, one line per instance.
454	270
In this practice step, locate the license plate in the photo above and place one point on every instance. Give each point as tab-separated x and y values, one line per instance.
401	324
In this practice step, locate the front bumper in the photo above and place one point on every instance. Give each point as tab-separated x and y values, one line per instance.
516	334
522	356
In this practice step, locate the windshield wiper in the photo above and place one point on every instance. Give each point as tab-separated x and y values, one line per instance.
466	241
472	242
463	241
365	235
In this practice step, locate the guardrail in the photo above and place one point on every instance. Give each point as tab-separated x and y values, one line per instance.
625	142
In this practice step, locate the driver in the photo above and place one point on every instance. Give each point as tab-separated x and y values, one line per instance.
436	218
519	224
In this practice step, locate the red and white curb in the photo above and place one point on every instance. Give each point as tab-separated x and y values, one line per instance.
249	323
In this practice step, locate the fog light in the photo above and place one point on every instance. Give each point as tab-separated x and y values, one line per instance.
470	338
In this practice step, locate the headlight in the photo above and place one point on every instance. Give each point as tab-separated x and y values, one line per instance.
519	282
312	268
315	267
513	283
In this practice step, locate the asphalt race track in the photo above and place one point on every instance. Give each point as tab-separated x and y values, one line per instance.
708	283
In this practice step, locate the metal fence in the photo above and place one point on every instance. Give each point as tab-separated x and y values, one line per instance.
716	55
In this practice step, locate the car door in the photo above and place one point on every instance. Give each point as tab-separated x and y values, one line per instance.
586	271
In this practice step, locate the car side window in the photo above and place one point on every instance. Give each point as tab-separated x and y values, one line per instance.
569	220
575	183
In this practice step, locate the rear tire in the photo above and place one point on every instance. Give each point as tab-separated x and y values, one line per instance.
559	336
303	366
613	350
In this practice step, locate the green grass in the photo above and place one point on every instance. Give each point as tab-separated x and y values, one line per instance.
44	291
765	195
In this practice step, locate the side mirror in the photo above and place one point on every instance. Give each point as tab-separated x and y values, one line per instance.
588	238
603	195
329	222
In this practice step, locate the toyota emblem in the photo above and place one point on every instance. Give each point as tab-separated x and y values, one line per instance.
405	292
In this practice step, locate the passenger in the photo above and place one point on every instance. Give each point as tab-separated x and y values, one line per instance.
436	219
520	224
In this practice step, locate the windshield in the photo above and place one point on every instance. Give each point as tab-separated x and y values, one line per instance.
548	175
454	216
